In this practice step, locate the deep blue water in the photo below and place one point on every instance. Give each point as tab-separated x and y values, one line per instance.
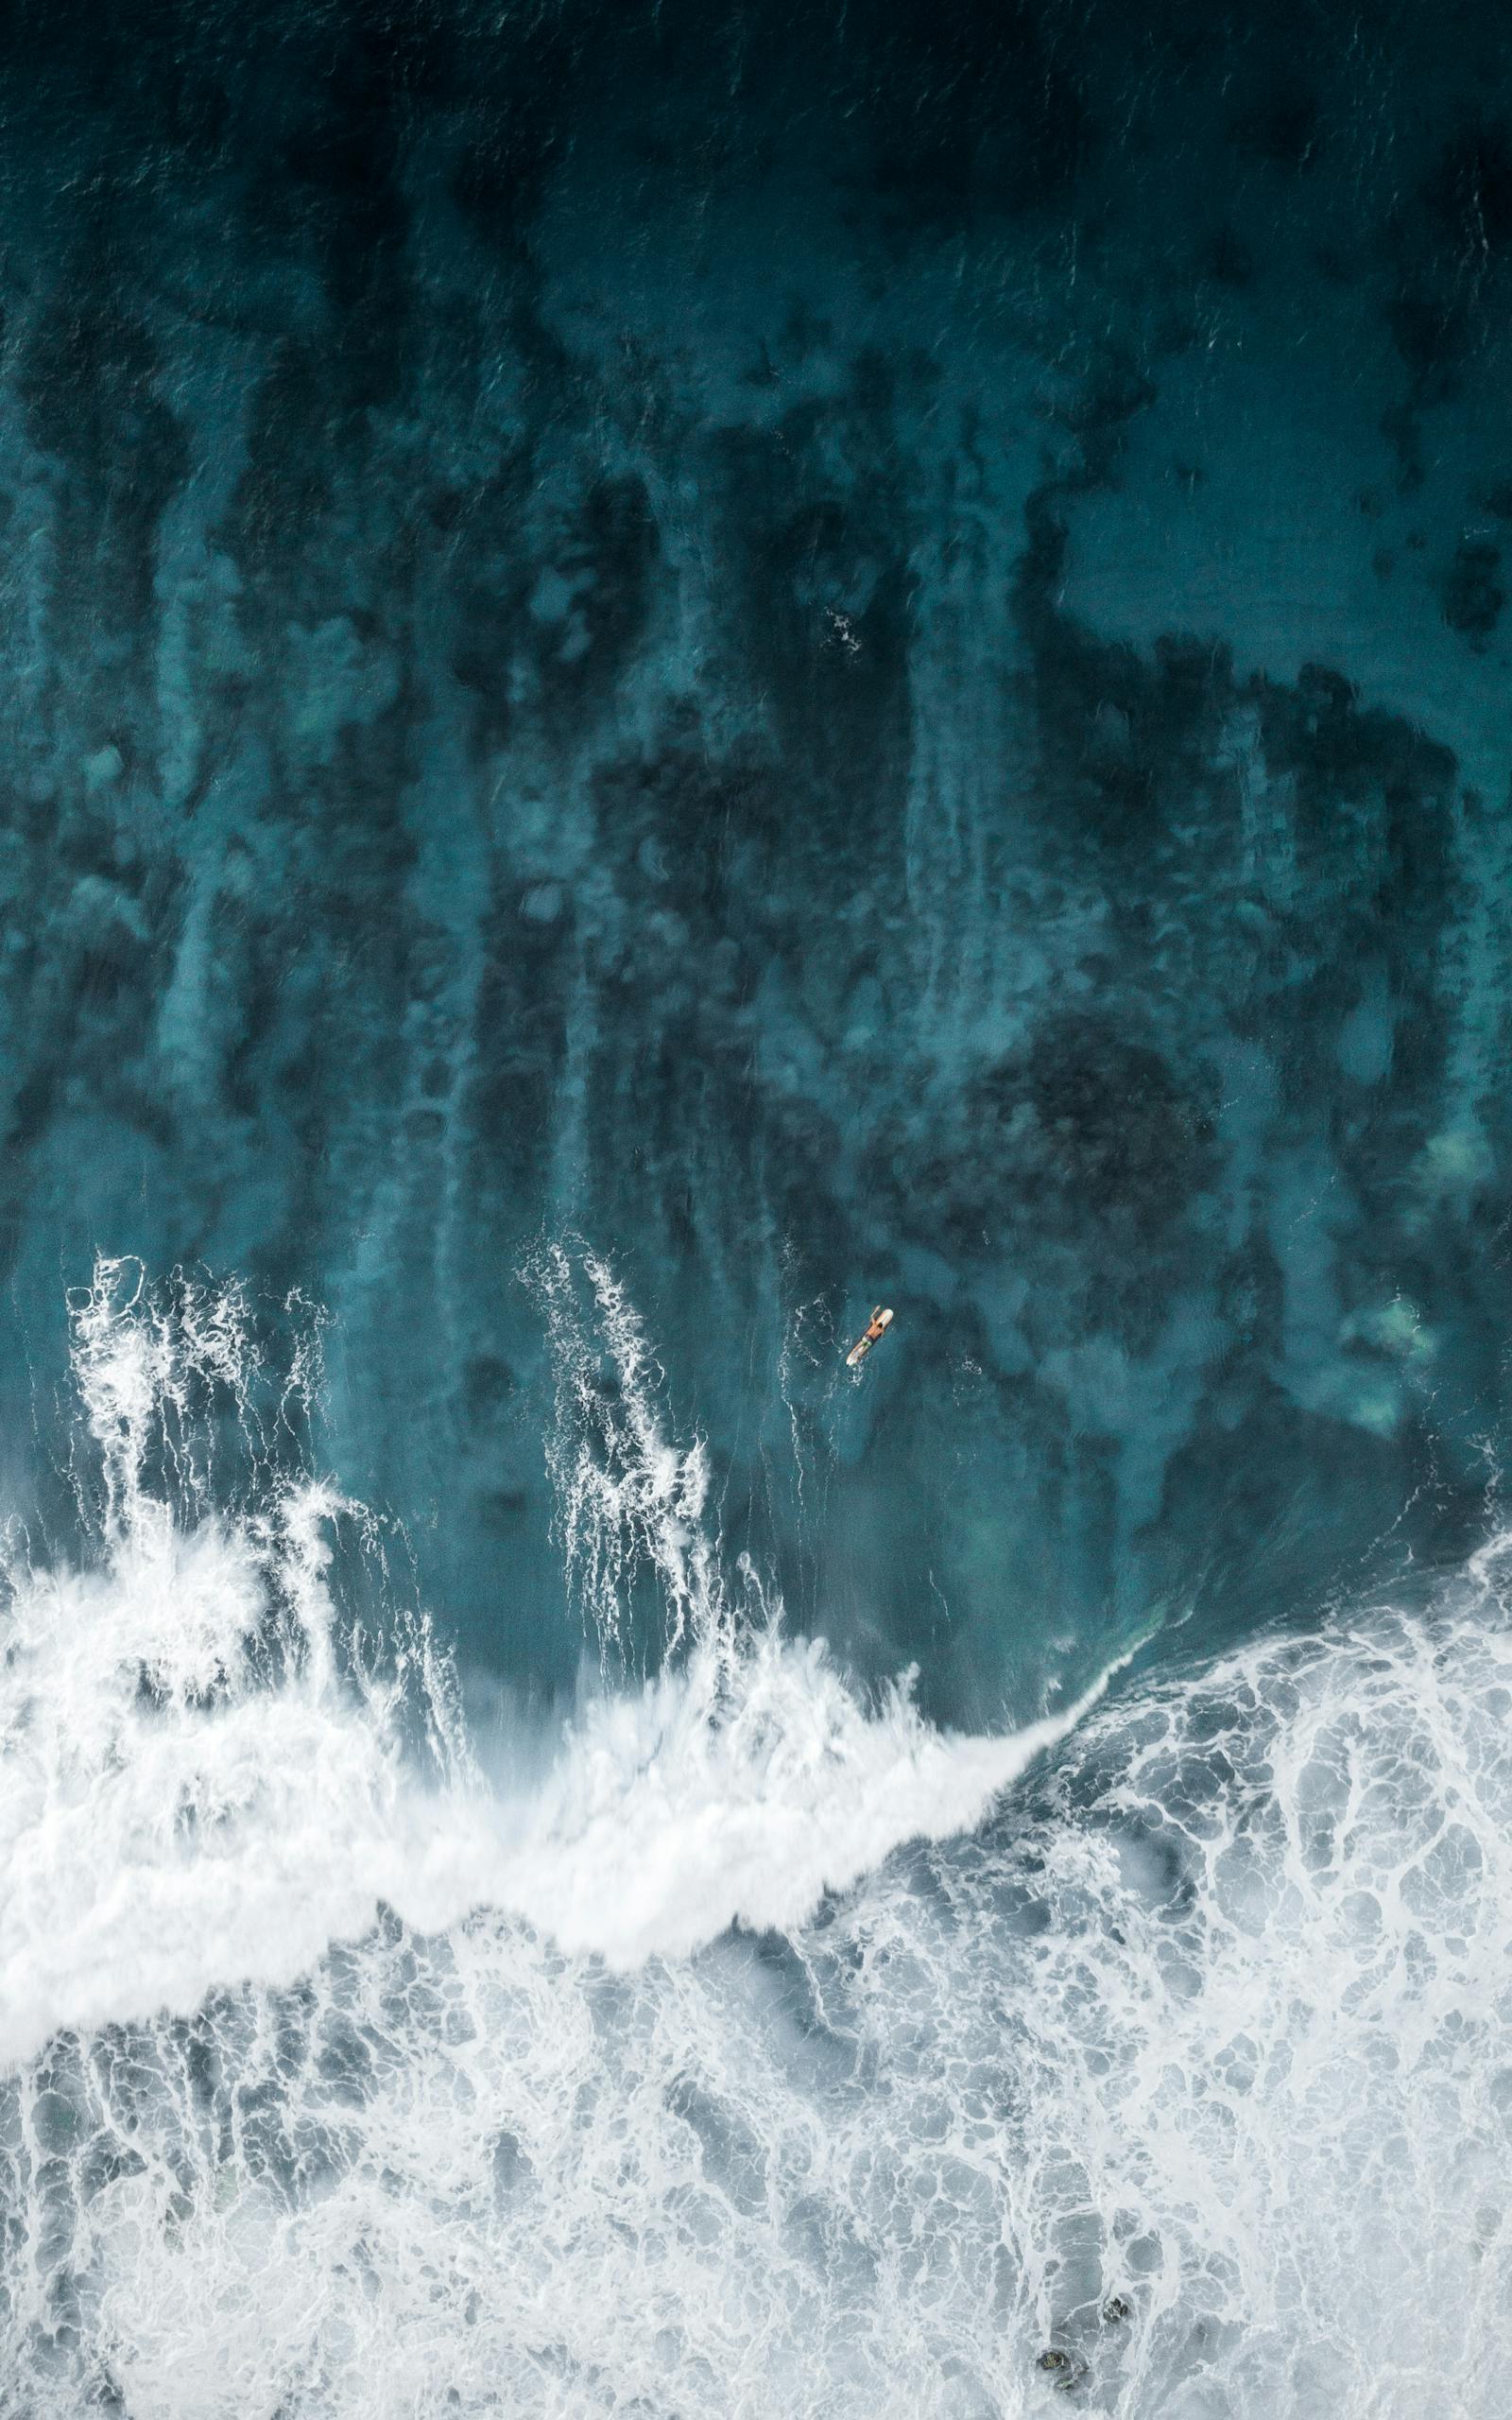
809	658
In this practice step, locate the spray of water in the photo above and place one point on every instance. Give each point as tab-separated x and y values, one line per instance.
627	1500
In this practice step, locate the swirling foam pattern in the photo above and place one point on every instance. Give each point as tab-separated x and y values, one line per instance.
311	2114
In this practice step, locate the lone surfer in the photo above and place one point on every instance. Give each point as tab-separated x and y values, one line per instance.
878	1325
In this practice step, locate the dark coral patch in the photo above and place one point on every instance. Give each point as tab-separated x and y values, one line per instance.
1096	1125
1473	593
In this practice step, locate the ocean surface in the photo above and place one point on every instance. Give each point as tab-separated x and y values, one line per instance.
666	671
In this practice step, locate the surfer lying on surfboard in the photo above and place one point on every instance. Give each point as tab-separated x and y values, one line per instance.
878	1325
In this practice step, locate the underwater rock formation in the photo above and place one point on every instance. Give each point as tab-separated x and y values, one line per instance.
564	669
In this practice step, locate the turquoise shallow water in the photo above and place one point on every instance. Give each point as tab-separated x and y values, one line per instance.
609	630
664	672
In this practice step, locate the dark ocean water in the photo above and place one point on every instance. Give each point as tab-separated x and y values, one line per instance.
665	671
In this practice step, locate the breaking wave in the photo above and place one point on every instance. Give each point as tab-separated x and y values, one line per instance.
211	1771
345	2079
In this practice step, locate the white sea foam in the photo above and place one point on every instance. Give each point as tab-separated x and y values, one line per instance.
1219	2020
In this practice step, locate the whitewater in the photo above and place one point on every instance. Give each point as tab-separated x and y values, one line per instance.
748	2044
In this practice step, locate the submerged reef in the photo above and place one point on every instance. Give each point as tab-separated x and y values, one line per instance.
787	660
